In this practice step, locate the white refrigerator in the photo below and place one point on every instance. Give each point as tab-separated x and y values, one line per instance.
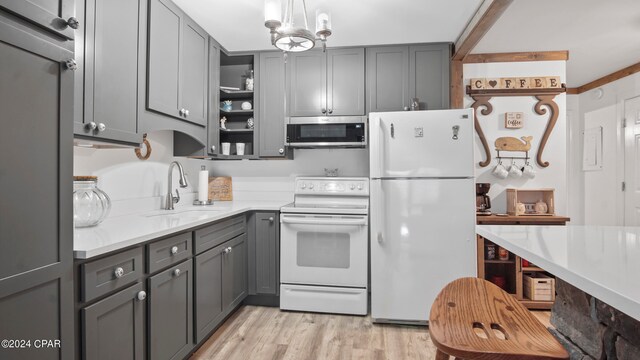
422	209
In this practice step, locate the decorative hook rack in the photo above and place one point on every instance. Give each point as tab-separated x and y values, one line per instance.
545	97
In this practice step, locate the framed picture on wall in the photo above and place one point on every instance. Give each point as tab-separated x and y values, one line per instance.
592	149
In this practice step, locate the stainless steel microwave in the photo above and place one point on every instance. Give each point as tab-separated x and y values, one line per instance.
324	132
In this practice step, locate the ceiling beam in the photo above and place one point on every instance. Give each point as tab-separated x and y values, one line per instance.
629	70
517	57
487	15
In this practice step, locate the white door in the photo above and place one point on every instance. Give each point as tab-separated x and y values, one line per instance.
422	237
435	143
329	250
632	162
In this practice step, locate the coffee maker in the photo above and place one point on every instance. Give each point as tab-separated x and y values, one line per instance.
483	202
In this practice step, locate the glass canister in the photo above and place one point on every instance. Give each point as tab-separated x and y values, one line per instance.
90	204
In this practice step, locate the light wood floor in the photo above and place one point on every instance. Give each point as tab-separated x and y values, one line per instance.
259	333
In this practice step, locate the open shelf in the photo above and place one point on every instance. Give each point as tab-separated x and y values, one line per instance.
532	269
236	130
237	112
235	94
516	92
499	261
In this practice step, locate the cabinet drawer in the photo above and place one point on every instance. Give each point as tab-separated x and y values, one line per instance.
216	234
102	276
168	252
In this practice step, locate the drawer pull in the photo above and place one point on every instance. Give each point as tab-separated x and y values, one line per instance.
227	250
176	272
142	295
118	272
174	250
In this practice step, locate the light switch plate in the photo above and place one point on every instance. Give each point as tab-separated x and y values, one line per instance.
418	132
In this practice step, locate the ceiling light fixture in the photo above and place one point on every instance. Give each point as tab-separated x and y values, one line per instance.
286	36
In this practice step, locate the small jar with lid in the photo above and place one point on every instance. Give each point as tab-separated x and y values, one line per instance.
90	204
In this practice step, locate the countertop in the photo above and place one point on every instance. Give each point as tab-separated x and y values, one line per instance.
603	261
122	231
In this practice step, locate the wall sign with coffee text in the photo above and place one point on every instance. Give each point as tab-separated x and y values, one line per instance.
539	82
514	120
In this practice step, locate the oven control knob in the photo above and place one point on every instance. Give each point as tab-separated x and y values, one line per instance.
359	186
311	186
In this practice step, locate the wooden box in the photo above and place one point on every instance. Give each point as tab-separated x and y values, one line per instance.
538	287
529	197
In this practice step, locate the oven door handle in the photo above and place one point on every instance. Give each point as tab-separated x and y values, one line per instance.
311	221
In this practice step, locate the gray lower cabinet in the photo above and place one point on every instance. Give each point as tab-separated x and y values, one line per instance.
396	74
171	312
113	328
208	291
326	83
36	264
112	61
429	76
264	254
56	16
234	272
272	100
177	64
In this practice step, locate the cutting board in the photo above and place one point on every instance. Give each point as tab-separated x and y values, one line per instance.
220	188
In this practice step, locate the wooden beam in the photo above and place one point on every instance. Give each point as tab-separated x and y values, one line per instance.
629	70
487	15
517	57
456	94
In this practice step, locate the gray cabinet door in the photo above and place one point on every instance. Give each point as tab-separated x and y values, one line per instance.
208	291
307	91
193	72
113	328
272	102
213	127
36	274
171	313
111	63
429	75
345	82
387	78
267	253
234	272
165	29
51	15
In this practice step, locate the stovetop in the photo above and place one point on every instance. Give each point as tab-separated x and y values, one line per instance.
330	195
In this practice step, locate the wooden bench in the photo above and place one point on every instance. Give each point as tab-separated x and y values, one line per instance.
472	318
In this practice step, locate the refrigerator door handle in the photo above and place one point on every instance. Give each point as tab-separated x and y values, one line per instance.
378	209
393	132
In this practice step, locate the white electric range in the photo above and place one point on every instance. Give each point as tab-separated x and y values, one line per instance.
324	246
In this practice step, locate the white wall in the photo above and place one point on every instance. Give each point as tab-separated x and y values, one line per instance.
555	175
613	94
131	182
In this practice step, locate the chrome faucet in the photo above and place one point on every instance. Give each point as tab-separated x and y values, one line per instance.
183	184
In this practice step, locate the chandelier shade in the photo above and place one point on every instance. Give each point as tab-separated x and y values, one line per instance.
289	37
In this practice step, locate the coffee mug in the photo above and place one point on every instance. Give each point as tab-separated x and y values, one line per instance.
226	148
500	172
240	148
514	171
529	171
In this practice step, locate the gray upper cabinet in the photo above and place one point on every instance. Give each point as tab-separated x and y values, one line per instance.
113	328
234	272
345	82
170	313
56	16
36	265
213	127
264	250
429	76
111	65
387	78
330	83
307	73
272	100
178	51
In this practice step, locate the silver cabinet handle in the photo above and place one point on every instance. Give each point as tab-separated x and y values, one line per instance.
324	111
73	23
226	250
176	272
118	272
181	112
174	250
281	151
102	127
271	219
71	64
213	148
141	295
330	111
91	126
186	113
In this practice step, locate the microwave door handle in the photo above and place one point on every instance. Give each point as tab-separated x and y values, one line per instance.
310	221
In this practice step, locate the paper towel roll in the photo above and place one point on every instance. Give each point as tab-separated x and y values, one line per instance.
203	185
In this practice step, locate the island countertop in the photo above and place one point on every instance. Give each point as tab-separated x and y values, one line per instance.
603	261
